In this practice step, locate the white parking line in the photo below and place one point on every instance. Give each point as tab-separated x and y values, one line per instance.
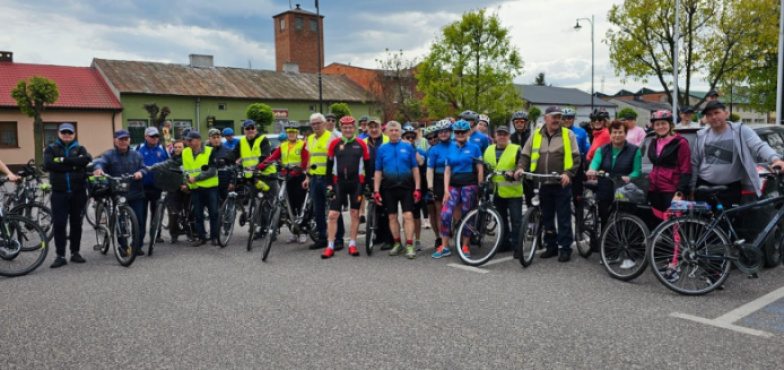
468	268
723	325
497	261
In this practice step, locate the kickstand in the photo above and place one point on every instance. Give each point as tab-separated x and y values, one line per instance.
754	276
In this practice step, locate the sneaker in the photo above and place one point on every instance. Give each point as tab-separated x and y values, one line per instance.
59	262
159	240
397	250
198	242
215	242
516	254
670	274
710	280
441	251
427	223
303	239
466	252
386	246
352	250
259	235
628	264
418	246
243	219
549	253
291	239
77	258
321	244
564	257
328	252
338	245
140	252
410	252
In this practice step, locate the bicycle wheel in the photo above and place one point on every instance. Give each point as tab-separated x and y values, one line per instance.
126	235
530	235
585	232
477	225
39	214
772	246
156	226
271	234
624	247
226	215
88	212
370	227
165	219
253	225
25	250
102	234
683	265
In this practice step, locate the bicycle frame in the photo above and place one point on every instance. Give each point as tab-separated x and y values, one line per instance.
724	216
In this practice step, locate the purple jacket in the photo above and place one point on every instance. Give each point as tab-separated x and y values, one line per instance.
672	168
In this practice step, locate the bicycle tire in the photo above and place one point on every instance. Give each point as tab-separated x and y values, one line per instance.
252	225
689	230
479	222
126	227
773	246
102	229
39	214
156	226
226	216
271	232
585	232
625	238
90	204
370	227
23	231
530	231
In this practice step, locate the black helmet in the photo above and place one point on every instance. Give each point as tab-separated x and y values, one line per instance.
519	115
600	114
470	116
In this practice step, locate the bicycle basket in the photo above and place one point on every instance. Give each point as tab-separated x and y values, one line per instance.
167	180
97	188
121	186
633	192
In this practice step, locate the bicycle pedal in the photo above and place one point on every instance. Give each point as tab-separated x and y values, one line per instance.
97	247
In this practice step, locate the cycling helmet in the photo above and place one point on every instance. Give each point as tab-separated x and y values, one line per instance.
408	129
469	116
520	115
600	114
430	130
347	120
660	115
282	137
228	131
443	124
461	125
567	112
185	133
290	125
485	118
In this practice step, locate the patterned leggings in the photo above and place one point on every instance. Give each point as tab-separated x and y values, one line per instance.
466	196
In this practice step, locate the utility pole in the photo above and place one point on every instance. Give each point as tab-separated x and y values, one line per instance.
676	91
318	41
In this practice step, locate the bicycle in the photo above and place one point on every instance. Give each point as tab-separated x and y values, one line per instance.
370	222
690	253
587	228
532	229
23	200
18	236
261	201
119	226
168	180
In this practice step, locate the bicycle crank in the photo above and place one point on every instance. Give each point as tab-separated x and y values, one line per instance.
750	259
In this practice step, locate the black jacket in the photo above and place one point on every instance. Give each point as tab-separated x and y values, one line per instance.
70	173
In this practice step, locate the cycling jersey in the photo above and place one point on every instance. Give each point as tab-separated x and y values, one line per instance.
396	162
436	156
347	160
480	140
461	161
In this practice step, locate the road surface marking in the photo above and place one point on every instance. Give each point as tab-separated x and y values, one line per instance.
723	325
497	261
468	268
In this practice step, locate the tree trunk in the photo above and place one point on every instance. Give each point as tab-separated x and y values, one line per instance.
38	134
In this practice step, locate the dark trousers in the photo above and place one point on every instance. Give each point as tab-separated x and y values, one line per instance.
151	197
175	202
296	194
318	193
511	210
137	205
528	192
556	200
65	205
383	233
200	198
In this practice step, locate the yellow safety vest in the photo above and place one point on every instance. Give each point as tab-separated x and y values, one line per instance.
317	153
291	154
506	189
192	167
567	144
384	139
252	156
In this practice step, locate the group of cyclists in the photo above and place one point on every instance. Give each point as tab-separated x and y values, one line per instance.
433	172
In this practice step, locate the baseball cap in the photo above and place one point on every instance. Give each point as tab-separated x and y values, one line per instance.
373	121
213	131
193	134
552	110
502	128
67	127
121	133
712	92
713	105
248	122
363	118
687	109
151	131
330	115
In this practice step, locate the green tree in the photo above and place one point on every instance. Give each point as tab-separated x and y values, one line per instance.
717	40
533	114
339	110
627	111
32	96
157	115
262	114
539	80
735	117
471	66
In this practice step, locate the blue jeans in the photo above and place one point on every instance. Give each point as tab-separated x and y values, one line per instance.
318	193
510	208
557	200
137	205
201	197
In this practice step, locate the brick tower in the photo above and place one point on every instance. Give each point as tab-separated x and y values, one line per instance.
297	34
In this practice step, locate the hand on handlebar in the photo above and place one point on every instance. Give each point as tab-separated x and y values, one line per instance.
137	176
98	173
565	180
330	193
377	198
12	177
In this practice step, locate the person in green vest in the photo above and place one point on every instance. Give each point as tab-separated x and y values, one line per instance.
508	199
553	148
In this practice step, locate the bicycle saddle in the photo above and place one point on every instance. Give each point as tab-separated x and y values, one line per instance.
591	184
711	189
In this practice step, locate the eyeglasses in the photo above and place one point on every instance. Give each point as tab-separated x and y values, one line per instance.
67	132
331	120
250	128
409	137
461	132
432	137
154	136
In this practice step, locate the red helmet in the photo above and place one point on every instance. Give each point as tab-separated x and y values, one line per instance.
347	120
661	115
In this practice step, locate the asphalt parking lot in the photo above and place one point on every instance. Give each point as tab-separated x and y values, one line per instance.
212	308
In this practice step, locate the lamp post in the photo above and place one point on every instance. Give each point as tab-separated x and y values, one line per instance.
578	27
318	41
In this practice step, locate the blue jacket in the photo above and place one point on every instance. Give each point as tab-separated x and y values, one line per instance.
582	140
231	144
151	155
116	164
396	161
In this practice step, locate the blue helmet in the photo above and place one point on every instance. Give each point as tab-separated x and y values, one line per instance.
228	131
461	125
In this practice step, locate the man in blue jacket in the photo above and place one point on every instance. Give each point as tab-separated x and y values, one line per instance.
152	152
123	161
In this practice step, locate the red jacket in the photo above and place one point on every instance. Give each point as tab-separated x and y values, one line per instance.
600	137
672	168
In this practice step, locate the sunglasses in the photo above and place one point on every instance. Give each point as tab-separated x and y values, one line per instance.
331	120
461	132
67	132
155	136
250	128
432	137
410	137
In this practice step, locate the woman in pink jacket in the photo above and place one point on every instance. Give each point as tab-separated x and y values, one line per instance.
671	158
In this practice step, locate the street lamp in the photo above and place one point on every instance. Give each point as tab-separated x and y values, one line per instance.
578	27
318	41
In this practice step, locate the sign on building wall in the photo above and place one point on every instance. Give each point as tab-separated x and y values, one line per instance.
281	113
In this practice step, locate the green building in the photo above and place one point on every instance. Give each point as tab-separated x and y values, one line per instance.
203	96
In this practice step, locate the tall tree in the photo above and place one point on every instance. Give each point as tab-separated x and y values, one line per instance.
339	110
33	96
717	40
471	66
394	87
539	81
157	116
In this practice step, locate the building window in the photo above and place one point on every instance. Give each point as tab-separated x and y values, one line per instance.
282	25
313	25
50	132
759	120
747	120
222	106
8	135
178	126
136	127
299	23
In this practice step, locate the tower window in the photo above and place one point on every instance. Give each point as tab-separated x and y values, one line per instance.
313	25
282	24
299	23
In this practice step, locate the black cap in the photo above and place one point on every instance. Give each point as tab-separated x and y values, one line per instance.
553	109
713	105
330	115
687	109
712	92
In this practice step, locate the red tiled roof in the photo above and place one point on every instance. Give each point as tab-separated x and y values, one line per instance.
79	87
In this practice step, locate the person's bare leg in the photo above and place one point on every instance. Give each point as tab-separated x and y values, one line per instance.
417	227
394	226
354	223
332	225
408	225
435	218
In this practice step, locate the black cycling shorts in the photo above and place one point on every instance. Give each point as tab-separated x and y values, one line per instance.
420	209
346	192
398	196
438	187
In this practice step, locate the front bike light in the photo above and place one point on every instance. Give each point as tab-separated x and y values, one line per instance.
121	200
535	201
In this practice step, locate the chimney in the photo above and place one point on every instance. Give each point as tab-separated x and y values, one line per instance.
290	67
6	56
201	61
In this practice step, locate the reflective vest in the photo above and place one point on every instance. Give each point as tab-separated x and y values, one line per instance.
192	167
252	156
567	145
506	189
317	153
291	154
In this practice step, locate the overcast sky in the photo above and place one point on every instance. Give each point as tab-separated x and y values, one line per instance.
73	32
